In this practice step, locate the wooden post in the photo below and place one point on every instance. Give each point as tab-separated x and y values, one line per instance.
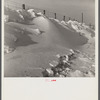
44	12
90	25
82	17
69	18
23	6
55	15
64	18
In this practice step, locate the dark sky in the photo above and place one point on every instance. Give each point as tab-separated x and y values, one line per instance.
72	8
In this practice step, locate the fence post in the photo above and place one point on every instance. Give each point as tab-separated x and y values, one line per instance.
82	17
23	6
64	18
55	15
44	12
69	18
90	25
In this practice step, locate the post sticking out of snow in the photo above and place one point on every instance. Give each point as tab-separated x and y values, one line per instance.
64	18
90	25
23	6
55	15
44	12
69	18
82	17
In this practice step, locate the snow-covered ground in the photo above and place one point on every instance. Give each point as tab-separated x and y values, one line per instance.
32	41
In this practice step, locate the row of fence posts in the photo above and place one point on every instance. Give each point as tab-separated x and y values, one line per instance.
64	17
55	14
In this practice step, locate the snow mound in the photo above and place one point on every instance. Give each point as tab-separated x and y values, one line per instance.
55	20
76	73
79	27
32	13
36	31
7	49
53	41
63	22
26	14
39	14
64	67
6	18
75	25
22	16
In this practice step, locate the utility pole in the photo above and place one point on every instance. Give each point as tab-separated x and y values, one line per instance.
23	6
82	17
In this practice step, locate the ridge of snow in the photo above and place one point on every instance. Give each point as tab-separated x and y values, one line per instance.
21	16
75	25
31	12
71	25
7	49
39	14
6	18
36	31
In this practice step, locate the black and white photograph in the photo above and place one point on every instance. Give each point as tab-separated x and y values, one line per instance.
49	38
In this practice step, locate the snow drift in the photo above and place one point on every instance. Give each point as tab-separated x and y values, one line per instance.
21	15
36	39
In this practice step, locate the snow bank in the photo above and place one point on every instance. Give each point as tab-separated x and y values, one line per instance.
26	14
55	20
75	25
39	14
76	73
6	18
37	31
64	66
63	22
7	49
21	16
79	27
32	13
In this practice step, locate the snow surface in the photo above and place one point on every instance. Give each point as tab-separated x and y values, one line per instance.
6	18
34	51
